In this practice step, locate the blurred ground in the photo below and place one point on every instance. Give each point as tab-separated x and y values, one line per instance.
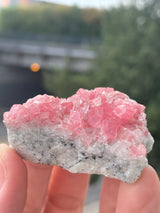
94	191
3	133
91	208
91	204
92	200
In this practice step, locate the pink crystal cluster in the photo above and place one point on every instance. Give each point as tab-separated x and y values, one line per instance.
101	112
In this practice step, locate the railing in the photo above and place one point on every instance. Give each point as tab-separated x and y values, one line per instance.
51	38
23	53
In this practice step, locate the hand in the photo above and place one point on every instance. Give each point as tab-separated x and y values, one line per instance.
29	188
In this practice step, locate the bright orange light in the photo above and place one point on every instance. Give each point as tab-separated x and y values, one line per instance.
35	67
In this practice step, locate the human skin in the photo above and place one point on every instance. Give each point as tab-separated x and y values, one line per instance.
31	188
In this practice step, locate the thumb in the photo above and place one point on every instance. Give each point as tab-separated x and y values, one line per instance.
13	181
142	196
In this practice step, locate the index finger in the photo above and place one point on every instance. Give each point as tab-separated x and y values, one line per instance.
67	191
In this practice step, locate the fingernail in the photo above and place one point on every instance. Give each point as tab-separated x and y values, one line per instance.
2	175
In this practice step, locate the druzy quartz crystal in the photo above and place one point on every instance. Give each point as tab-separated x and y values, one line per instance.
99	131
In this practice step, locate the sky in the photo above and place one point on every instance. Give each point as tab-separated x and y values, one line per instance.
90	3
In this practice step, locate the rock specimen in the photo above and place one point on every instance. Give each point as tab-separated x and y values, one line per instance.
99	131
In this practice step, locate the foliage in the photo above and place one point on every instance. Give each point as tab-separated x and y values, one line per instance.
129	55
153	114
64	83
53	20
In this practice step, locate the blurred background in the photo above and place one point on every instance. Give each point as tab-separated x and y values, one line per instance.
57	46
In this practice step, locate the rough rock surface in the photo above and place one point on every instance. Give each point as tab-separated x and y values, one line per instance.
99	131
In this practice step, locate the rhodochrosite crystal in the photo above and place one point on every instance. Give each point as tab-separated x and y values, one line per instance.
98	131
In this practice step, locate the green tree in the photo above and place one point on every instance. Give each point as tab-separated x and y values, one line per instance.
64	83
128	59
52	20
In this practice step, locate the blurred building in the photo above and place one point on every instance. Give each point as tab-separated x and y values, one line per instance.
9	3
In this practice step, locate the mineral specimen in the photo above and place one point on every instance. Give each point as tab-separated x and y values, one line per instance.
99	131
